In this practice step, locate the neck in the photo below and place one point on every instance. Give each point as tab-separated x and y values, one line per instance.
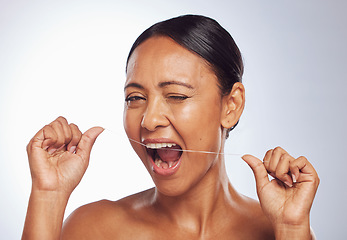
203	203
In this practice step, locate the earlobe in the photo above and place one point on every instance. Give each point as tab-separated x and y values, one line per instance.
233	105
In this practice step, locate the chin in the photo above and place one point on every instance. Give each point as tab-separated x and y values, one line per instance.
173	187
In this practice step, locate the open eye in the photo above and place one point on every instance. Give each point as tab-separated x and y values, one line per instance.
133	100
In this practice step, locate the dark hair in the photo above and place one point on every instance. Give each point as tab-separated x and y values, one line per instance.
206	38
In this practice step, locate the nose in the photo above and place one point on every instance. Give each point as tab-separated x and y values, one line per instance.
155	116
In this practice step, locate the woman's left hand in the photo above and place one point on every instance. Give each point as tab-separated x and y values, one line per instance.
286	199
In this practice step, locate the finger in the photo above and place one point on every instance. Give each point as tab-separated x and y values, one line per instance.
66	129
295	167
267	161
267	158
87	141
50	137
60	142
307	177
44	138
76	137
259	170
275	158
303	171
282	170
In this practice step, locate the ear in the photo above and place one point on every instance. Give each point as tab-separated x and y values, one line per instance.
233	105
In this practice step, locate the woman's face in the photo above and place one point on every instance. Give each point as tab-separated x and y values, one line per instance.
172	103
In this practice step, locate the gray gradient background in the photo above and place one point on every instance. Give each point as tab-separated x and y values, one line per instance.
68	57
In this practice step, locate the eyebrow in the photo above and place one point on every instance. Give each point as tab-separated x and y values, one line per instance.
135	85
164	84
161	84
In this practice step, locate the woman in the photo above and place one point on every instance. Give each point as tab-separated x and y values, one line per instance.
183	95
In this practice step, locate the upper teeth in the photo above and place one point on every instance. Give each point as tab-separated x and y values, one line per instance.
159	145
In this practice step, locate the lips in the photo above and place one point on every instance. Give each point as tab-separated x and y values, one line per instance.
165	156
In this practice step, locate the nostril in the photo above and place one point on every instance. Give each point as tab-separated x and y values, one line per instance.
151	120
148	124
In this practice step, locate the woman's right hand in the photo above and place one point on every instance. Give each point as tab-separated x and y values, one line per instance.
59	156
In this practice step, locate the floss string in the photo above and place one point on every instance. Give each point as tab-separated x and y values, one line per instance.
185	150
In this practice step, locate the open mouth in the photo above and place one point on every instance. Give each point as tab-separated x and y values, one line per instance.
164	155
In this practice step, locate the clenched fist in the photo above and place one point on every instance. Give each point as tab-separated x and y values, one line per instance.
59	156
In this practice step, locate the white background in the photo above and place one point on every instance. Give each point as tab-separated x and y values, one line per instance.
68	58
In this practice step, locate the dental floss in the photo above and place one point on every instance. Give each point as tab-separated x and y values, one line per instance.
184	150
196	151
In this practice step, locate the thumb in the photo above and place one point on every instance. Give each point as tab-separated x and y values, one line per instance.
259	170
87	141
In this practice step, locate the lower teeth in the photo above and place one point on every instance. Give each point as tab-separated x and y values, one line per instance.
158	162
162	164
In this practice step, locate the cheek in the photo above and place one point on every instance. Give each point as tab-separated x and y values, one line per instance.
126	122
131	123
199	125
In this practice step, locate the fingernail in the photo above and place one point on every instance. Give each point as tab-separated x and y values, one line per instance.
288	184
72	149
61	147
45	148
52	150
294	178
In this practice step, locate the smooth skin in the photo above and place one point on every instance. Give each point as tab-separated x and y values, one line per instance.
170	93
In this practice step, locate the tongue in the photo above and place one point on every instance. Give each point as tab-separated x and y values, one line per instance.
169	154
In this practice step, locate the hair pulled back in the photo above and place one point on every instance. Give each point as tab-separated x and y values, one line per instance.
208	39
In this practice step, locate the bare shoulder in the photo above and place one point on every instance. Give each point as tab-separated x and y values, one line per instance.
91	221
256	223
103	219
